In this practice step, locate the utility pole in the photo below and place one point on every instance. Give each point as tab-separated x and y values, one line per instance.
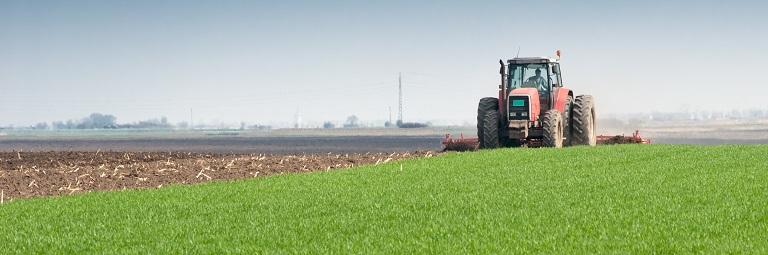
191	124
400	98
298	119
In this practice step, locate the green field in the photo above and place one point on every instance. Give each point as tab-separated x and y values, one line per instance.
609	199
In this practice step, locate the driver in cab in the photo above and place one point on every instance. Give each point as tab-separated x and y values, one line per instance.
536	81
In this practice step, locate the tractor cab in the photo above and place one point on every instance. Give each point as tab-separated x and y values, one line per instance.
543	74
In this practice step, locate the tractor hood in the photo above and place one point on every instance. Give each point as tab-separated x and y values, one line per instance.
523	104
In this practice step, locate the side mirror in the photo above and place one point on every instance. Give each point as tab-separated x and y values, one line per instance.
555	70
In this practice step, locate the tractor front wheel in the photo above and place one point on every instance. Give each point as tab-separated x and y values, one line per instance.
553	129
583	125
488	123
490	131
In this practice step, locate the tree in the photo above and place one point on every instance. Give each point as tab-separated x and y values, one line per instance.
352	122
328	124
41	125
97	120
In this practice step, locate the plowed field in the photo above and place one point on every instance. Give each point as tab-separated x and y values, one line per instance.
29	174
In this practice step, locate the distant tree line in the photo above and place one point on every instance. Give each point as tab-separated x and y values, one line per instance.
354	122
105	121
108	121
93	121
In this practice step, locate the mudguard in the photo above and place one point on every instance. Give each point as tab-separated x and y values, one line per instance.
561	95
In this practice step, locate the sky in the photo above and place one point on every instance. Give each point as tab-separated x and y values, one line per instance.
267	61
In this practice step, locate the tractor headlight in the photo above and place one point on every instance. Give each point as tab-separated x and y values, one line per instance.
524	114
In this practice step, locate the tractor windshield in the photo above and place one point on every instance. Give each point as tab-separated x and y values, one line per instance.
529	76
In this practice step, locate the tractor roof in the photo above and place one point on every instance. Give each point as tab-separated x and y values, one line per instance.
533	60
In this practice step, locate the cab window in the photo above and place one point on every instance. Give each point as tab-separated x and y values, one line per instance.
514	79
529	76
536	76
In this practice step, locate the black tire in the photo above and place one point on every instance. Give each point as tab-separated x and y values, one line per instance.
567	122
553	129
486	105
490	130
583	118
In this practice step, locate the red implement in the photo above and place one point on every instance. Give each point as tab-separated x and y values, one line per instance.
470	144
460	144
621	139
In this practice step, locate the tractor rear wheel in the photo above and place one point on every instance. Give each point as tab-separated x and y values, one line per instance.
553	129
583	118
486	105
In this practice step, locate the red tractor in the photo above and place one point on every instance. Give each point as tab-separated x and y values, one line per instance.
535	109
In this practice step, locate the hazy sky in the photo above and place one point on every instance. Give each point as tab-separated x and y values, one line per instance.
262	61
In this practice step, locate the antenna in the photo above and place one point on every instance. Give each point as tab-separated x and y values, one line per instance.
518	52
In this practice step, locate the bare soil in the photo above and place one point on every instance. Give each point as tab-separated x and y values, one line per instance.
31	174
